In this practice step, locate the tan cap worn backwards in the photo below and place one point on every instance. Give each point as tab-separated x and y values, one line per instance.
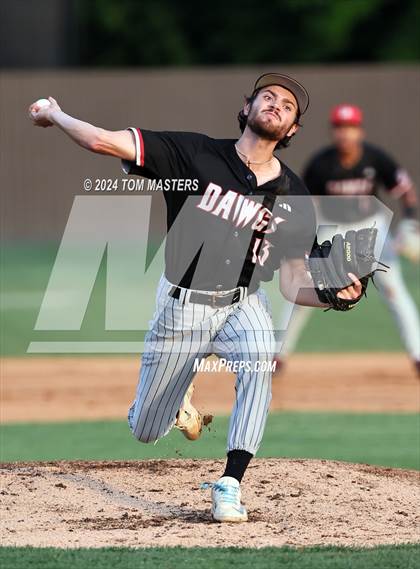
300	93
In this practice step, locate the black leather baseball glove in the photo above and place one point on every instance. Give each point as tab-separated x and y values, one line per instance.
330	263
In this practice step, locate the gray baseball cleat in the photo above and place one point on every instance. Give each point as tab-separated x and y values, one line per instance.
226	498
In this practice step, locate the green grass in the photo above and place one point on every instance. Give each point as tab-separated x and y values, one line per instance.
24	274
382	439
384	557
368	327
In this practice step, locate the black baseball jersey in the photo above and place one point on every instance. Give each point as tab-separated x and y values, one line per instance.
224	231
325	176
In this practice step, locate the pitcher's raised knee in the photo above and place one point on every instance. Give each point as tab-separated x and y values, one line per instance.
146	431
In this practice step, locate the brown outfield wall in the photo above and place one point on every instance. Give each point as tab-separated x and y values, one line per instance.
42	170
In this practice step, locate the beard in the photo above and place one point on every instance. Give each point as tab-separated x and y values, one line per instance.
266	131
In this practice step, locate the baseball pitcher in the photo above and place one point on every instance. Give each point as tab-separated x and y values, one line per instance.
242	214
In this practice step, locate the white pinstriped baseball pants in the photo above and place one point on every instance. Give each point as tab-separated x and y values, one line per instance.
179	333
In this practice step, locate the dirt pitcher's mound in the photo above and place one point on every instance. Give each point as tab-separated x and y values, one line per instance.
160	503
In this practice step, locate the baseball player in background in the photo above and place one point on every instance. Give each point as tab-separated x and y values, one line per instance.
242	217
353	167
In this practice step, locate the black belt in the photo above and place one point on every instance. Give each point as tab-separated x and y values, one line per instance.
215	299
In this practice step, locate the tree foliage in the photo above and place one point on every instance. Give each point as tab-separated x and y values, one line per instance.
165	32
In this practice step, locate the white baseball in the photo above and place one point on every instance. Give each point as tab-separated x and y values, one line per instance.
40	103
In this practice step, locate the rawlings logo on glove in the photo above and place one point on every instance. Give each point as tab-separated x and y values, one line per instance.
330	263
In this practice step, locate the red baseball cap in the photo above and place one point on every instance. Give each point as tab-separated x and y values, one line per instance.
343	115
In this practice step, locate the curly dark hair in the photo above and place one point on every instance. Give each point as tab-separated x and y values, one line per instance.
243	118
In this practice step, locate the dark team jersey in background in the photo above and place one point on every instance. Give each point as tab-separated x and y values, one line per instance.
224	231
325	176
